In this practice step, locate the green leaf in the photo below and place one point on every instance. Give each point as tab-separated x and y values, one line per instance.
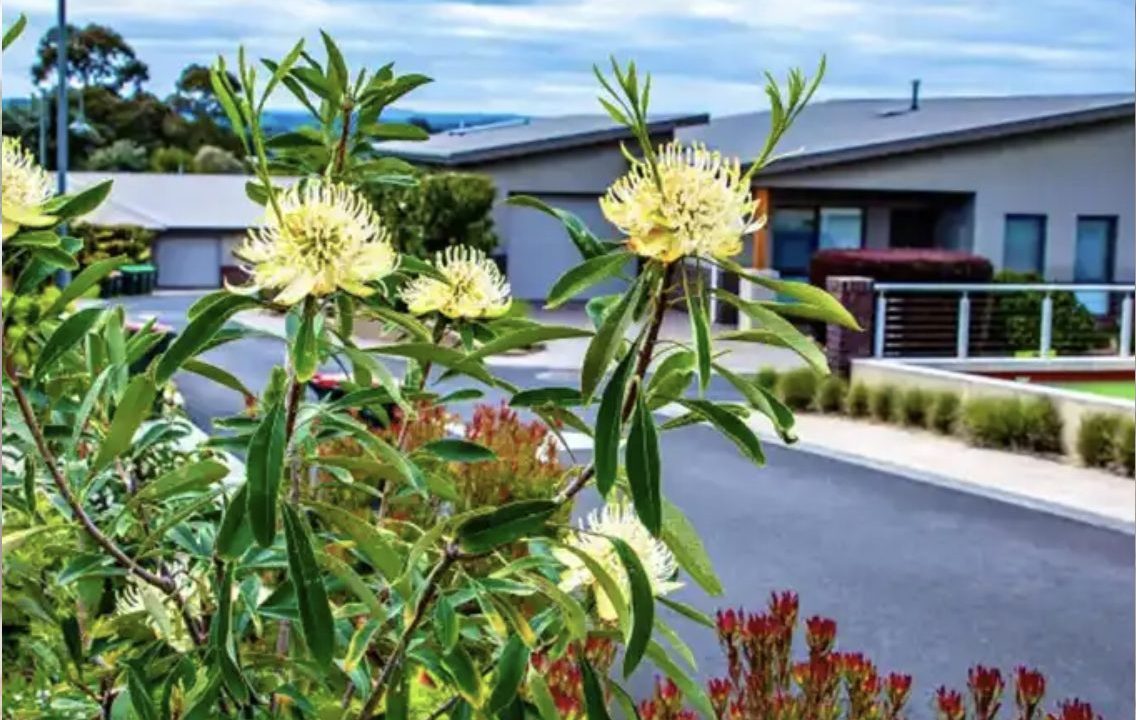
182	479
587	243
315	612
218	375
683	541
642	606
455	450
764	402
463	672
526	337
81	203
40	238
559	396
374	544
445	623
594	702
688	612
140	699
572	614
14	30
198	333
360	643
597	308
542	697
606	583
409	323
827	307
700	332
73	639
428	352
265	468
398	696
644	471
601	350
585	275
511	667
55	257
609	424
410	472
394	131
731	426
84	281
677	643
133	408
305	348
218	78
355	583
289	141
337	75
505	524
789	335
234	536
65	337
691	690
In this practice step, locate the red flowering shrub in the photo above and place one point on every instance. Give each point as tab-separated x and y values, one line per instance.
900	265
763	682
564	678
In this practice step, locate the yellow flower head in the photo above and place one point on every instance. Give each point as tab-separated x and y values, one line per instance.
25	184
616	519
327	237
704	208
474	287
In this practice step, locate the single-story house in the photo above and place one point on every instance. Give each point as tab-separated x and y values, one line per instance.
198	219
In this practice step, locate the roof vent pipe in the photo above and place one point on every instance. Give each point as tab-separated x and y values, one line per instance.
915	94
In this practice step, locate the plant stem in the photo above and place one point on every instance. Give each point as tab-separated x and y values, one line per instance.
165	584
344	135
450	556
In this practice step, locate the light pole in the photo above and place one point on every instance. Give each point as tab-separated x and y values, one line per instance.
63	277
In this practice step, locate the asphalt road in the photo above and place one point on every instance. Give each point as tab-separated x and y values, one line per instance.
924	579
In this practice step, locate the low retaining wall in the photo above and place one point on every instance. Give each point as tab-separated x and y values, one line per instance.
938	375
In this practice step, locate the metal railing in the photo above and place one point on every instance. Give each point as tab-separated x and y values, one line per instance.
1002	319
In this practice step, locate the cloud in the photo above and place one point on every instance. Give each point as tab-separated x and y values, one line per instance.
534	56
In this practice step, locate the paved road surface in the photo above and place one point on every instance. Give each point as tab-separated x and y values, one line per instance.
922	578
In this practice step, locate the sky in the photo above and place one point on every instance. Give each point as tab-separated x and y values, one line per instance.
534	56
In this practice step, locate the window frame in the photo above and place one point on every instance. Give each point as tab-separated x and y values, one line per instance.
1110	260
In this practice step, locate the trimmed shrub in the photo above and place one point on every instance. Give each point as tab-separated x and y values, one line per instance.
767	378
994	422
856	402
442	209
900	265
1125	446
217	161
1074	328
882	402
797	388
913	407
830	394
171	160
106	241
942	416
1097	437
1041	426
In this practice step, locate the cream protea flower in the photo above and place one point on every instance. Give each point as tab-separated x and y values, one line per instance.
616	519
704	208
26	186
473	288
327	237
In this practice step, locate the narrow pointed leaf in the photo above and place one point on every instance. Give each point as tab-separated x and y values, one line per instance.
585	275
65	337
505	524
510	673
526	337
606	342
181	479
644	471
234	536
683	541
642	606
84	281
375	545
265	468
456	450
194	338
595	703
305	349
609	424
133	408
315	612
730	425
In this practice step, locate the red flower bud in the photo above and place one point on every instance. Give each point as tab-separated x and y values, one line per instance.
985	686
949	704
820	634
727	623
898	689
783	607
1075	710
1029	689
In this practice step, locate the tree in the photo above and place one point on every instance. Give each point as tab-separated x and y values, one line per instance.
193	94
120	155
216	161
96	55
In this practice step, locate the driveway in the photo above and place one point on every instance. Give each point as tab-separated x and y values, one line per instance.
923	579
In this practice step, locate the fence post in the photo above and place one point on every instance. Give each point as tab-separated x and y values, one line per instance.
880	324
842	345
1126	326
962	342
1046	325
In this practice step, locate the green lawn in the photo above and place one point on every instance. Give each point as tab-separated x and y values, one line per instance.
1125	389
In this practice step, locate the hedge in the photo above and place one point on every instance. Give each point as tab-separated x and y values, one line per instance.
104	241
900	265
442	209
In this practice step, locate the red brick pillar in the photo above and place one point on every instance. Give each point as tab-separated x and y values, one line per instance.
843	344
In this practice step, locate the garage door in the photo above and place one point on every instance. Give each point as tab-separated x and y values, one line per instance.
540	250
188	262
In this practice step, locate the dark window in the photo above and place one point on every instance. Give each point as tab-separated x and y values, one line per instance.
1096	248
1024	244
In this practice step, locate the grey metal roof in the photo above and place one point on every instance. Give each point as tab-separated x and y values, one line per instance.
523	137
162	201
837	131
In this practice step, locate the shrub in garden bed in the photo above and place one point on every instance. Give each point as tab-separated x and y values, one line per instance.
767	377
883	403
830	394
1010	423
913	407
858	402
1125	446
900	265
797	388
943	413
768	679
1096	438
